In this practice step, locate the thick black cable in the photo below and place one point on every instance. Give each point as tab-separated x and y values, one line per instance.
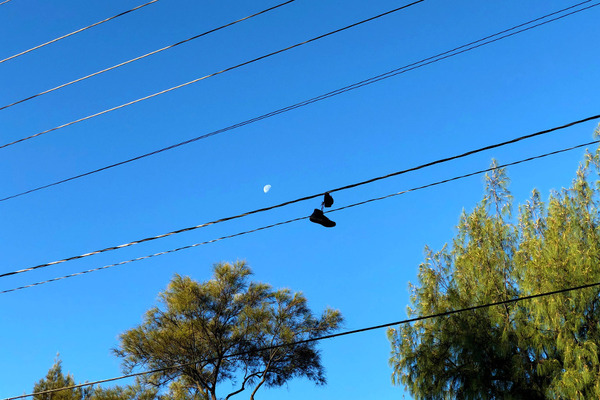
468	153
300	218
144	56
353	185
77	31
210	75
389	74
319	338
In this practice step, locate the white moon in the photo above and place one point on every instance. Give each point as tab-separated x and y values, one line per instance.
267	188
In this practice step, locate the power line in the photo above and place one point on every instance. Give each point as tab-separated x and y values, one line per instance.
430	60
4	2
151	255
317	339
211	75
301	218
401	172
143	56
442	56
77	31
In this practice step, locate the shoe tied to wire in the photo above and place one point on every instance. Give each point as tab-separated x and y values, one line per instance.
319	218
328	200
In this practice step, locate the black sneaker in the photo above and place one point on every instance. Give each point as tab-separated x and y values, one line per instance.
328	201
319	218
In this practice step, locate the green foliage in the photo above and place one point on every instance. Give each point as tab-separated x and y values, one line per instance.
536	349
132	392
56	379
208	322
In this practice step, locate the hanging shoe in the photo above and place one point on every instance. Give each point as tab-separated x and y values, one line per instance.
328	201
319	218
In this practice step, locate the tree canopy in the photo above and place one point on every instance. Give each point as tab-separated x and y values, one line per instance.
214	331
534	349
55	379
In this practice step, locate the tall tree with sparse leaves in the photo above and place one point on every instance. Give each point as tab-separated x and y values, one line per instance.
545	348
215	329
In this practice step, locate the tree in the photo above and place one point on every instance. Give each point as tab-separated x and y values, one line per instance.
56	379
215	329
136	391
535	349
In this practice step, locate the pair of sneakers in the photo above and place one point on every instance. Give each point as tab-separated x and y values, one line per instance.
318	217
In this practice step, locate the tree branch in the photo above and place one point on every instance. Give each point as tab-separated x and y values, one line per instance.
264	378
246	379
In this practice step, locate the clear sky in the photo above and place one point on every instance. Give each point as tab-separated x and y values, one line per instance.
536	80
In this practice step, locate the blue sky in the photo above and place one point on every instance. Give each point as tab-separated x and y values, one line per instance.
536	80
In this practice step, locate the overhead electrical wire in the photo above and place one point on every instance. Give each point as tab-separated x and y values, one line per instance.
319	338
4	2
213	74
149	256
350	186
203	34
77	31
144	56
447	54
301	218
411	320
